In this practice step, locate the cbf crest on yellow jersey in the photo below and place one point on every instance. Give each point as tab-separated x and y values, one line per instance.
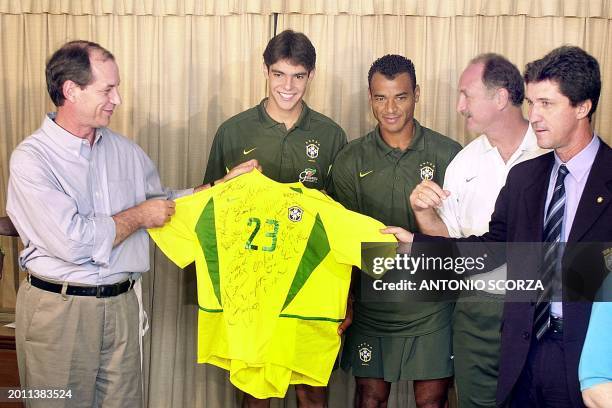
273	264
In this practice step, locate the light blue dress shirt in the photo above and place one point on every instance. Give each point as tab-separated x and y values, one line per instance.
596	360
62	194
579	167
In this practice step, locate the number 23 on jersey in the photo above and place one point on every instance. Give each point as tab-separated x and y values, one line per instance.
270	233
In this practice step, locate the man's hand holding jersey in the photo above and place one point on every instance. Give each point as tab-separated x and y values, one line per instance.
242	168
403	236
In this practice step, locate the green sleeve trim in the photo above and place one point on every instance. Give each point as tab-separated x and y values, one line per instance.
316	250
210	310
322	319
207	235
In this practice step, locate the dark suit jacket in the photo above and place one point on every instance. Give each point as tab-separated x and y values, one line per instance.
519	217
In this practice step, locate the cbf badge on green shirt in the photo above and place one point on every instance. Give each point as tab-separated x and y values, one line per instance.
302	153
375	179
310	173
312	148
427	170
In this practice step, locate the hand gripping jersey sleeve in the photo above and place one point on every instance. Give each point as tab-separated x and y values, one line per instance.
177	241
273	264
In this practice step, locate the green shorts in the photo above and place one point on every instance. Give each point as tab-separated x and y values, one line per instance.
426	357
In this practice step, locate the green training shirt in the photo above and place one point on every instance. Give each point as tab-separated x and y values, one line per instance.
303	153
374	179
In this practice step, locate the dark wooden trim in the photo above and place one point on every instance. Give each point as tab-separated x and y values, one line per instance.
7	343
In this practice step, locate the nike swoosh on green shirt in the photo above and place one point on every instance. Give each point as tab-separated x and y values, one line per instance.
245	152
362	175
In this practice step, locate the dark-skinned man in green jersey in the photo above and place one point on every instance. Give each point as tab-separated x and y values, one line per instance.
291	142
374	175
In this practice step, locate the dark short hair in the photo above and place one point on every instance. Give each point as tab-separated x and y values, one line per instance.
499	72
71	63
292	46
575	72
391	65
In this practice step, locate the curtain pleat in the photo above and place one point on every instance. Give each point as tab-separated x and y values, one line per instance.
433	8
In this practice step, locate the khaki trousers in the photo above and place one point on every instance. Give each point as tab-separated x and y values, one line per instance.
82	344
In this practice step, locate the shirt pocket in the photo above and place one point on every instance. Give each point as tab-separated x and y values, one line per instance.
122	195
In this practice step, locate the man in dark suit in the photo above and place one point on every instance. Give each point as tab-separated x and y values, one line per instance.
562	196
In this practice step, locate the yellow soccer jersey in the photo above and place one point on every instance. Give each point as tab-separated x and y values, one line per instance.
273	267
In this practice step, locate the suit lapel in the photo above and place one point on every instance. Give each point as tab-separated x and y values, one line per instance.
534	201
596	196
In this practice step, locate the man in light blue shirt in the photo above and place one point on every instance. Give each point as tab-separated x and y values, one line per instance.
596	362
81	197
595	370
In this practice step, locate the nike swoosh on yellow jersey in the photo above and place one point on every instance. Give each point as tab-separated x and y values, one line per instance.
245	152
362	175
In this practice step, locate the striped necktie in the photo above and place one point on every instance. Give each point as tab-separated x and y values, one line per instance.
552	236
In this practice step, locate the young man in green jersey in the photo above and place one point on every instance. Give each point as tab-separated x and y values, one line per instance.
291	141
374	175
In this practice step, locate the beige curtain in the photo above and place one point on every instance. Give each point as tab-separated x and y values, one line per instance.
440	48
435	8
187	65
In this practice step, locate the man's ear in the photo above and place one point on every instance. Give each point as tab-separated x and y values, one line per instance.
311	74
417	93
583	109
502	98
69	90
265	70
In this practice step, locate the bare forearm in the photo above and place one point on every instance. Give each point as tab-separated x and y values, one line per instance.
598	396
126	223
430	223
205	186
152	213
242	168
155	213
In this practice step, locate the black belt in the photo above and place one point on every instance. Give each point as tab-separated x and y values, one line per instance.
102	291
556	324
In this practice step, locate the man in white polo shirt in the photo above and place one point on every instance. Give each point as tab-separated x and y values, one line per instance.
491	92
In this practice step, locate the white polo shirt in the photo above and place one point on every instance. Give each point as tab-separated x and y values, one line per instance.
474	178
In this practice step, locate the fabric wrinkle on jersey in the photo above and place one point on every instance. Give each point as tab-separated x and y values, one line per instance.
273	268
